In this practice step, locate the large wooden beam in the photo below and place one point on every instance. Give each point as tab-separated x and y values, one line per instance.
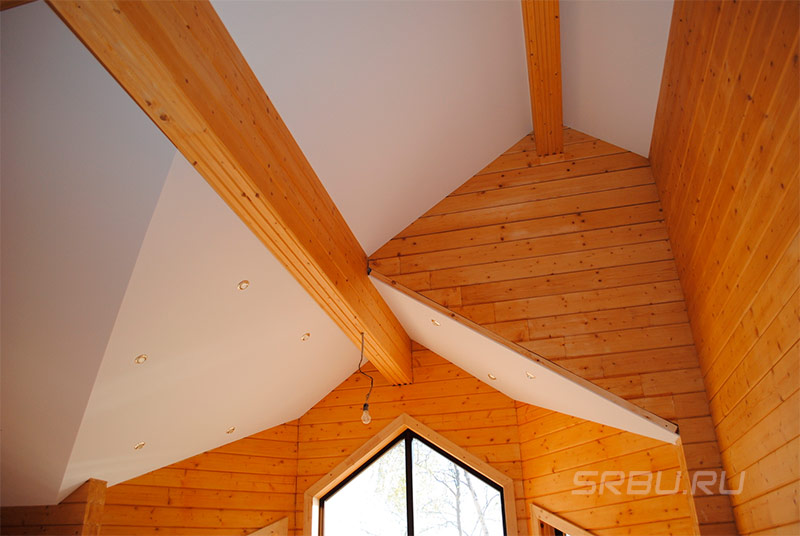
8	4
543	46
178	62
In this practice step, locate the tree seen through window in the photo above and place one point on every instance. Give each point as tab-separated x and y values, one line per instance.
413	488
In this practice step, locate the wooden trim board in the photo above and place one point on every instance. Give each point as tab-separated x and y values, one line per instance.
539	514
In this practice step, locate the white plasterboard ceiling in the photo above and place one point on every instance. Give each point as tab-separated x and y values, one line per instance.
81	170
612	57
513	373
394	103
218	356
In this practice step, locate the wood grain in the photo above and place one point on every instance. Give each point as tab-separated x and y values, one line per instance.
180	65
725	159
543	48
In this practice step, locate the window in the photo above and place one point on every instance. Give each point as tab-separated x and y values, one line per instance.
413	488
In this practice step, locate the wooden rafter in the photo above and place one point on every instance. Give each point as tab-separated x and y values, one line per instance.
543	47
178	62
8	4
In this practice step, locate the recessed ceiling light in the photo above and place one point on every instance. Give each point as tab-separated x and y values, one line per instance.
435	322
243	284
530	376
139	359
492	376
139	445
230	430
305	336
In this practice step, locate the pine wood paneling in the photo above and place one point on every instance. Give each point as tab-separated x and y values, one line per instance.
554	447
543	46
234	489
571	260
725	158
443	397
80	513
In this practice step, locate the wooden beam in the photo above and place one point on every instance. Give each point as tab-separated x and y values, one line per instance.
8	4
178	62
543	47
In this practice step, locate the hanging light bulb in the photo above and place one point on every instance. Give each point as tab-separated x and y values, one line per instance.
365	416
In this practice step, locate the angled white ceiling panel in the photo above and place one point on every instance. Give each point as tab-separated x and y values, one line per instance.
612	57
81	169
217	356
394	103
549	387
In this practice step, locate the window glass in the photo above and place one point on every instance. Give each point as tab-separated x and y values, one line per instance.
373	503
450	501
447	499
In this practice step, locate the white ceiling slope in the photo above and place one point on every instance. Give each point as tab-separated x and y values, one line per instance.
81	170
394	103
612	57
514	374
218	356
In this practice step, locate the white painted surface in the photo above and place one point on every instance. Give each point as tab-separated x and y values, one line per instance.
395	104
480	356
81	169
612	56
218	356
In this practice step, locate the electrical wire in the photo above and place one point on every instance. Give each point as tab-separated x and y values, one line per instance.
371	379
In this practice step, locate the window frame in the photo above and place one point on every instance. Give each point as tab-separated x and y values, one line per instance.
367	450
408	436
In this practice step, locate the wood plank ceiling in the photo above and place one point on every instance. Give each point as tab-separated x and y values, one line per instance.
180	65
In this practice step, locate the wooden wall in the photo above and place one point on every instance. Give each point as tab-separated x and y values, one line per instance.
442	397
234	489
554	446
725	157
250	483
571	259
78	514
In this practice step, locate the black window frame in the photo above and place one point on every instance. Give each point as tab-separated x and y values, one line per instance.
407	436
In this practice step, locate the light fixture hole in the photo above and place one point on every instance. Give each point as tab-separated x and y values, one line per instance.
492	376
230	430
139	359
530	376
305	336
435	322
243	284
139	445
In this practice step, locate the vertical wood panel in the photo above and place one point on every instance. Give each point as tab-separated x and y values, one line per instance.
543	47
725	158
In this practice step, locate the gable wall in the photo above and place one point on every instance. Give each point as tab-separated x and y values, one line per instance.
725	158
233	489
443	397
570	258
250	483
